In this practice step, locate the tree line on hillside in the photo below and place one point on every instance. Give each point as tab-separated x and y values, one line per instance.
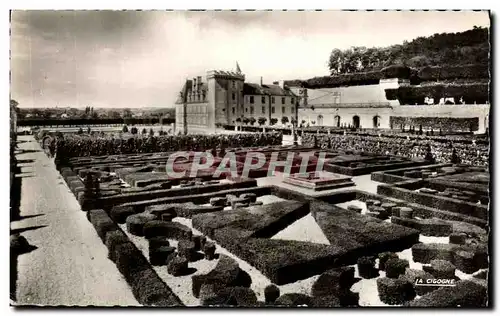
462	48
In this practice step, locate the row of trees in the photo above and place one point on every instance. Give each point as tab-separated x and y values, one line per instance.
469	47
99	121
262	120
92	113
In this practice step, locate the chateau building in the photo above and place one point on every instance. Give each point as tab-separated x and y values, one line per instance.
366	106
224	98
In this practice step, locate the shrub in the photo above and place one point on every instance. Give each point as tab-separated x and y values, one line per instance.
102	223
150	290
226	273
135	223
130	262
172	230
120	213
396	71
113	239
361	78
434	73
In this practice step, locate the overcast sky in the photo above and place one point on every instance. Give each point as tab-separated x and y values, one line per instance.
141	58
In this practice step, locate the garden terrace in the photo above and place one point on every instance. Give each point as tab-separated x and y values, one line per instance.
246	233
110	201
399	146
424	74
196	199
463	124
310	234
423	192
270	234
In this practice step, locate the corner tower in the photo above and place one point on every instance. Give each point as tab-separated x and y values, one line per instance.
225	97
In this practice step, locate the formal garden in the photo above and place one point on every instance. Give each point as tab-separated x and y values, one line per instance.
216	239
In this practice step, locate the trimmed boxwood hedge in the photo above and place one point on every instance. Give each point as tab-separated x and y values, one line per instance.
362	78
430	73
204	198
396	71
409	95
74	145
150	290
113	239
140	197
434	73
102	223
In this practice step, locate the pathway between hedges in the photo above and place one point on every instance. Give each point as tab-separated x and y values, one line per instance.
69	265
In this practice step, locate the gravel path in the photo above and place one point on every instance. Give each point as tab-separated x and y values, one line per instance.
70	265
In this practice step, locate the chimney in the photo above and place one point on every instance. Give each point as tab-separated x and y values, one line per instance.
282	84
261	80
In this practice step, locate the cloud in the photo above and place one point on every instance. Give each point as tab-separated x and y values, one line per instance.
141	58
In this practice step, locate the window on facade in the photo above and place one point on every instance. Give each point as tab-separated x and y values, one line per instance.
282	109
251	110
282	100
272	110
233	96
234	110
251	99
263	110
272	100
246	110
293	101
234	84
263	100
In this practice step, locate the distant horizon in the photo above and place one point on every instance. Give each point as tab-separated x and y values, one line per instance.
140	59
97	107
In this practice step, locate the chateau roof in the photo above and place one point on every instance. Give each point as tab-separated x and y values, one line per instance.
227	73
203	87
256	89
